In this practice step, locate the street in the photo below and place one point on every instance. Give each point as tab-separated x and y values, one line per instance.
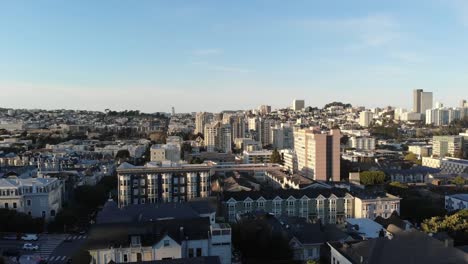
54	248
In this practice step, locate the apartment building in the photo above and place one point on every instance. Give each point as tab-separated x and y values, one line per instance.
318	154
38	197
163	152
421	150
156	184
298	105
257	156
289	159
446	145
201	119
365	118
329	205
370	205
362	143
218	137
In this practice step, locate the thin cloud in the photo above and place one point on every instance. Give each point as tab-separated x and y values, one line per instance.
409	57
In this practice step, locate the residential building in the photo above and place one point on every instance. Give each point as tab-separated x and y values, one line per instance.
365	118
298	105
457	201
452	165
465	143
422	101
163	152
238	127
289	160
318	154
156	184
201	119
420	150
328	205
431	162
410	246
247	144
370	205
218	137
264	109
257	156
362	143
37	197
155	233
446	146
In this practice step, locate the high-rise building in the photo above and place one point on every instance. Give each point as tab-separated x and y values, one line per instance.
365	118
264	131
218	137
238	127
318	154
282	137
173	111
264	109
463	104
201	119
443	146
298	105
422	101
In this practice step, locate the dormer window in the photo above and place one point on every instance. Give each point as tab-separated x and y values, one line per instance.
136	241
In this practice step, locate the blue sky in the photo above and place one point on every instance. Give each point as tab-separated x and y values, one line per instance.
217	55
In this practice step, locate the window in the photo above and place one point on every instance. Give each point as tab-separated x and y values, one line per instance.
52	212
28	202
190	253
261	204
199	252
167	243
43	214
139	257
125	258
6	205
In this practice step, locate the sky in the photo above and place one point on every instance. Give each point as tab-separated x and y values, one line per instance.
227	55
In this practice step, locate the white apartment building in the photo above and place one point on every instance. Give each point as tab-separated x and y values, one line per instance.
370	206
421	150
281	137
163	152
38	197
446	145
362	143
290	160
365	118
298	105
218	137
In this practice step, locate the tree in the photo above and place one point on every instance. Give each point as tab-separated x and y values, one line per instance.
123	154
275	157
372	177
459	181
456	225
413	158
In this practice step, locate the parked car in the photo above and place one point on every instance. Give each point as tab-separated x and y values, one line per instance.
29	246
29	237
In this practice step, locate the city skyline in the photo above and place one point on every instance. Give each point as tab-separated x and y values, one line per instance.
213	56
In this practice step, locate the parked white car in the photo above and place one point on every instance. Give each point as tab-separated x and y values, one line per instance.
29	246
29	237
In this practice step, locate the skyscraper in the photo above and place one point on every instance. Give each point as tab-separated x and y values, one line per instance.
218	137
422	101
201	119
318	154
298	105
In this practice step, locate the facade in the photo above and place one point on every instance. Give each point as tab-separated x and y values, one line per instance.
38	197
431	162
298	105
162	152
365	118
155	184
455	166
373	205
362	143
318	154
264	109
422	101
218	137
160	240
201	119
329	205
456	202
290	160
446	145
238	127
257	156
420	150
282	137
